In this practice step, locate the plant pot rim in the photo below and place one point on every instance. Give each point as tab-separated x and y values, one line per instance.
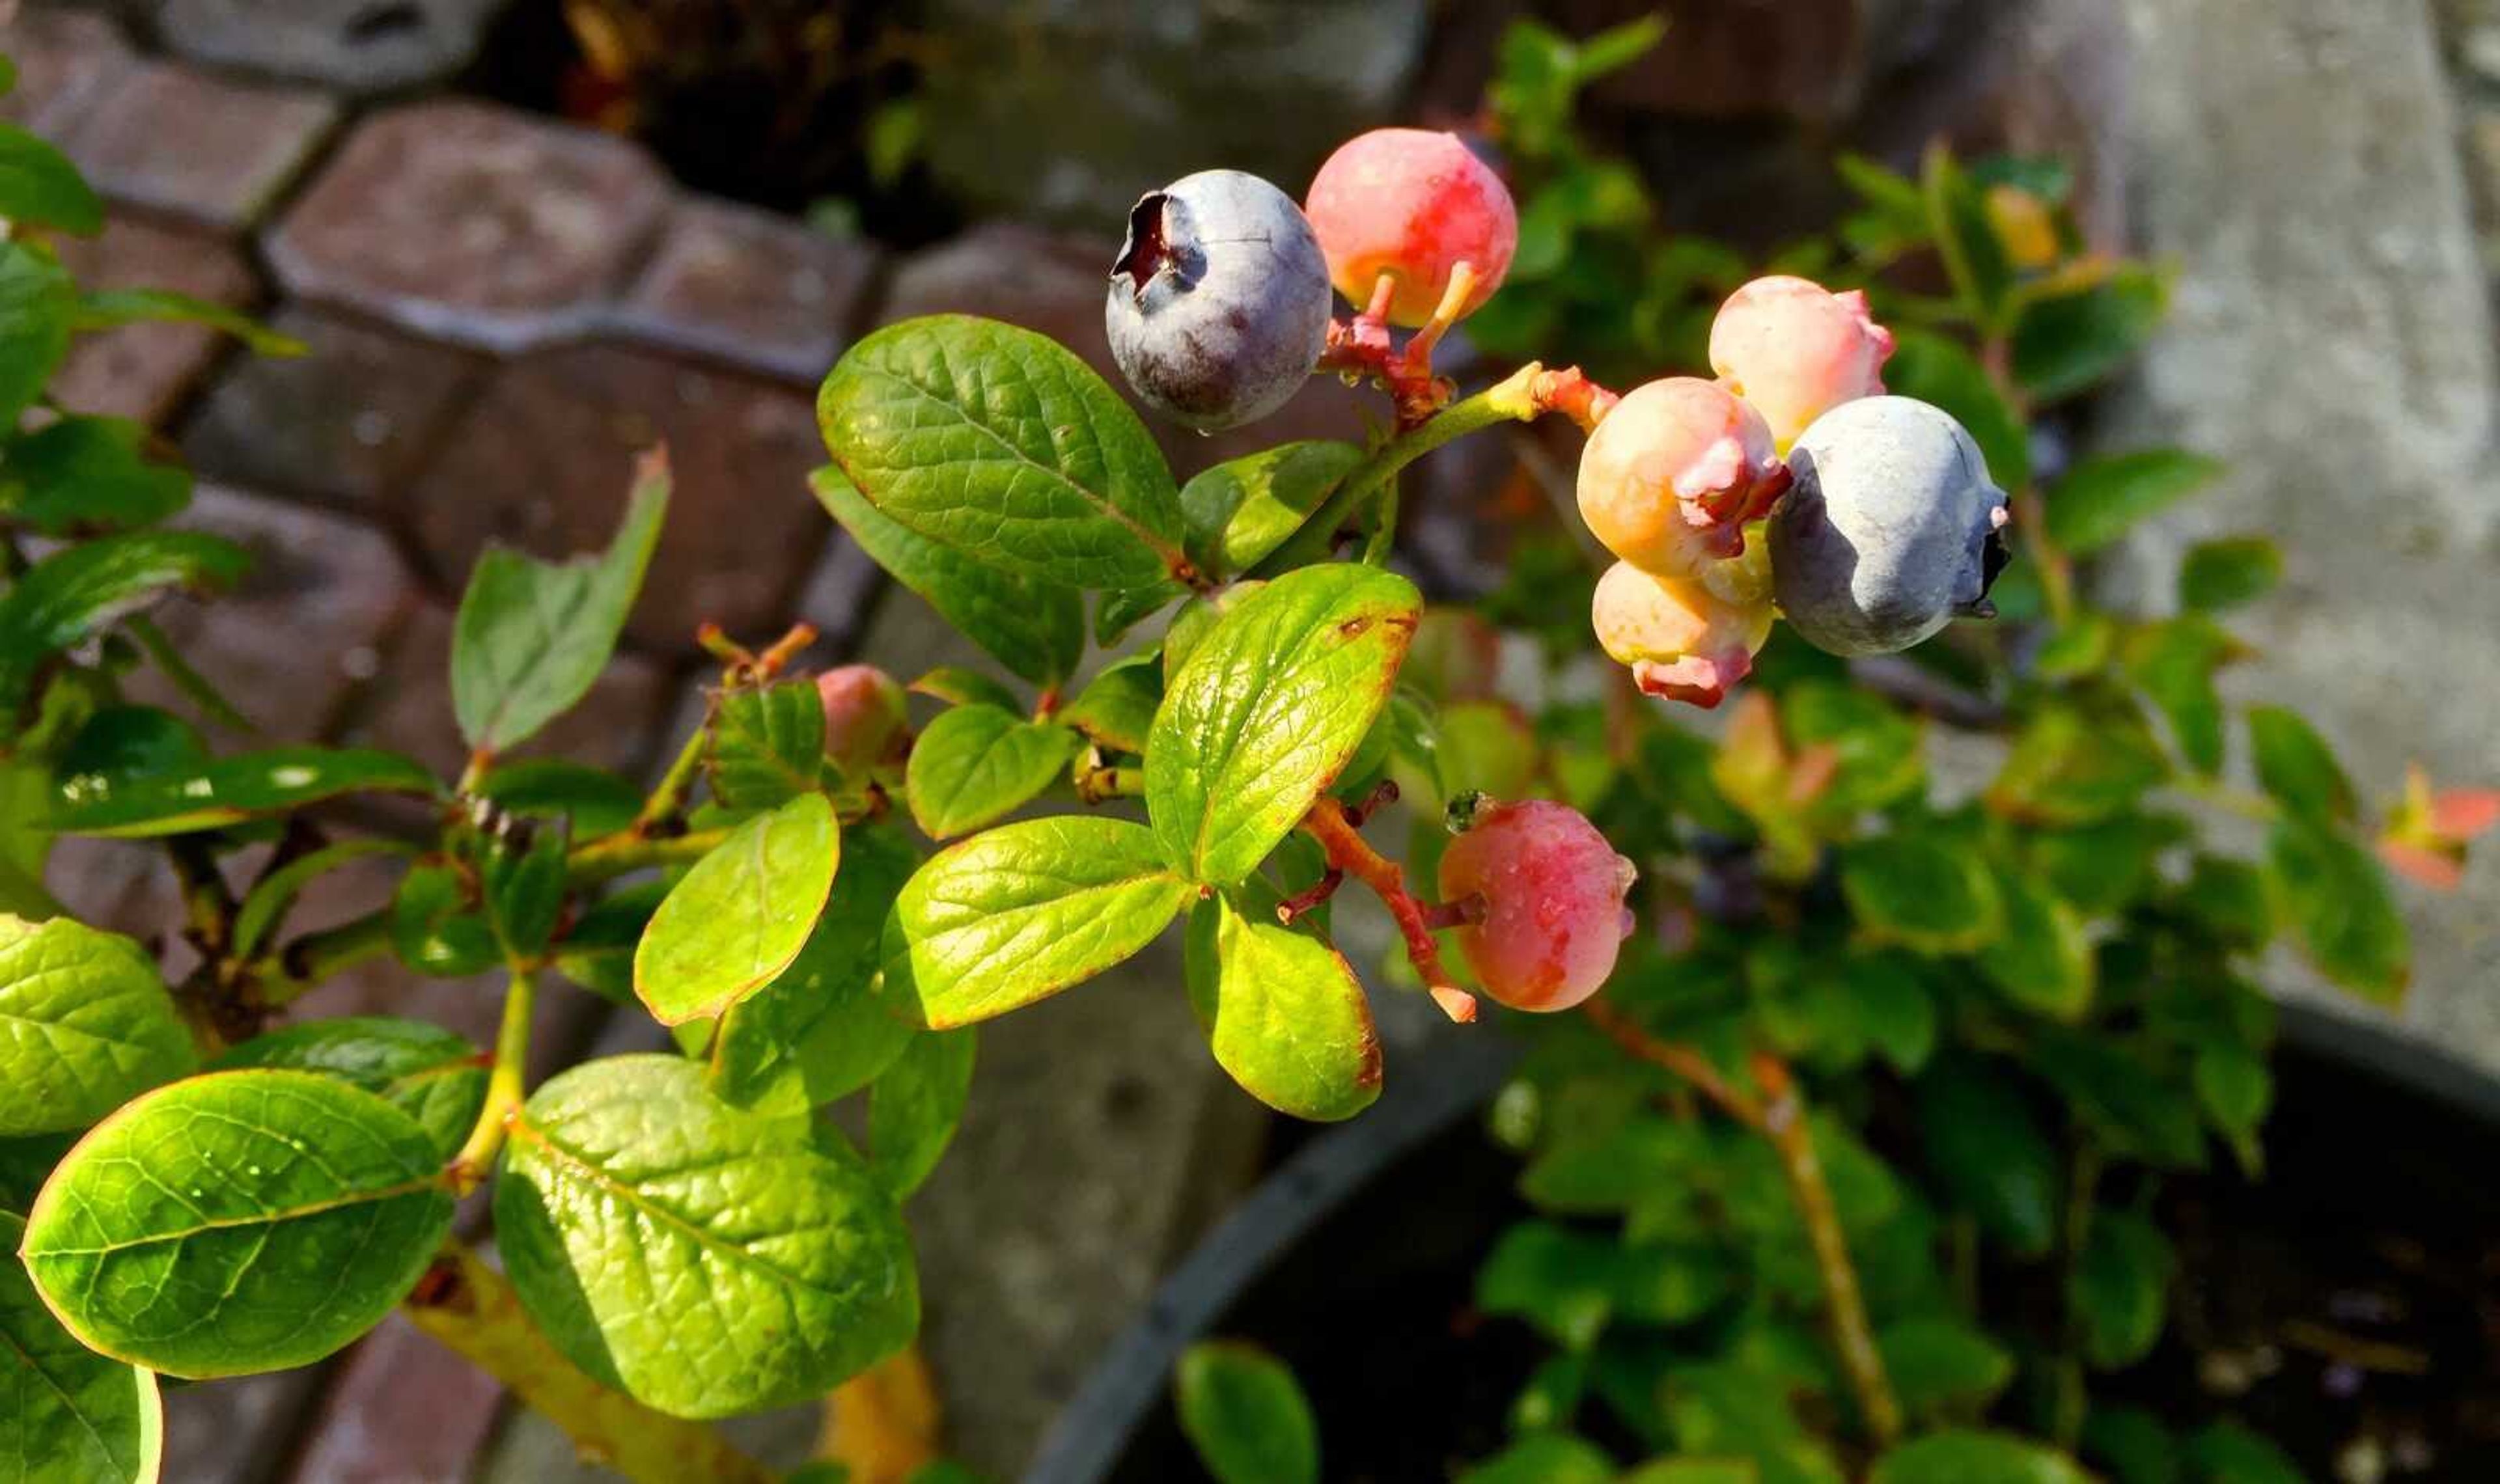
1095	1429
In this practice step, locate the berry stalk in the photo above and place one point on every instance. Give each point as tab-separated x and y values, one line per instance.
1349	854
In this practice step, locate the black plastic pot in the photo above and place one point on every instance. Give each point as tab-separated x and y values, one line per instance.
1124	1405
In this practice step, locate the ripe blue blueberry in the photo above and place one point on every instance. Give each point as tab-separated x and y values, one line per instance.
1892	529
1219	300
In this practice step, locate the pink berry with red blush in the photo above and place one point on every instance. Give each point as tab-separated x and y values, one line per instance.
1552	893
1795	350
864	716
1411	205
1671	475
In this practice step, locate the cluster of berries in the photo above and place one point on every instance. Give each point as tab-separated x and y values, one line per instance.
1879	526
1869	520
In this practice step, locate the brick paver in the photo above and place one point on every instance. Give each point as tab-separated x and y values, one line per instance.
473	223
353	45
143	371
66	60
305	627
349	421
541	460
200	147
759	291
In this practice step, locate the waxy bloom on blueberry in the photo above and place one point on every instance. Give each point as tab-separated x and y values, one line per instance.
1796	349
1218	306
1682	642
1892	529
1552	890
1674	472
1413	205
864	716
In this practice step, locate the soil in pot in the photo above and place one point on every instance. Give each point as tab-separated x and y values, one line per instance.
2346	1304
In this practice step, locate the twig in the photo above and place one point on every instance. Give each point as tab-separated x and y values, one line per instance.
470	1310
619	855
1349	852
1685	1062
503	1086
1783	1121
881	1424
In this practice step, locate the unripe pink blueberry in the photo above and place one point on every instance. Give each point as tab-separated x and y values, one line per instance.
1674	472
1553	891
864	716
1412	204
1796	349
1682	640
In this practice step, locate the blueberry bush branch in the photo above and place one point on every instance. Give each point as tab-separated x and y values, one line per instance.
1209	705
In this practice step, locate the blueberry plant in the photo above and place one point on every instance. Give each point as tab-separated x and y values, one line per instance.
1854	1169
2052	975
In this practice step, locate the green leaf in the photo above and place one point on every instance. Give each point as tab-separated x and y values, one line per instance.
2236	1088
1117	707
1268	708
2066	344
522	885
1937	1364
66	1413
85	1024
820	1030
1937	369
958	686
1023	912
2296	765
435	926
1985	1146
916	1106
2043	961
2138	1108
230	789
1928	894
273	893
37	305
1033	628
2175	662
703	1258
1965	236
2134	1444
2336	899
740	914
598	952
593	799
2227	1453
425	1072
1246	1416
1730	1409
238	1222
1238	511
1544	1457
25	1164
975	764
81	590
768	745
2120	1288
2100	498
2067	768
2228	898
1966	1457
1000	443
89	473
40	187
1283	1012
124	740
108	308
531	637
2225	573
1892	1008
1695	1470
1587	1171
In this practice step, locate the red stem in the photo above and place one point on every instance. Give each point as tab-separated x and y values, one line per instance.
1349	852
